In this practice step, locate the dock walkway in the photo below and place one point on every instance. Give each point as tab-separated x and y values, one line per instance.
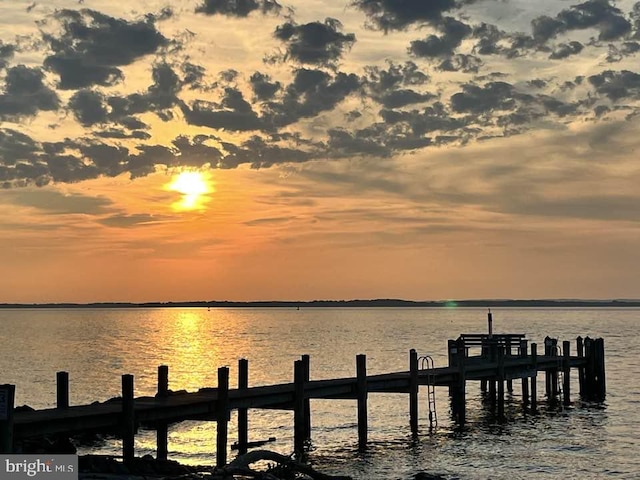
494	360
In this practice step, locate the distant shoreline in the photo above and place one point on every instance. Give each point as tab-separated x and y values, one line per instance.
388	303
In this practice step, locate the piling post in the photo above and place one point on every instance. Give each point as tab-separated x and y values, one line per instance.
62	390
460	389
413	391
547	373
243	413
307	401
361	388
162	431
525	380
566	373
534	378
501	375
554	372
128	420
452	352
580	350
589	372
222	416
299	421
601	388
483	385
7	400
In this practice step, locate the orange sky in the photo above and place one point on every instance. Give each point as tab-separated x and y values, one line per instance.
474	150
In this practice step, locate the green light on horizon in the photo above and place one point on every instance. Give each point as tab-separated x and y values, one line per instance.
450	304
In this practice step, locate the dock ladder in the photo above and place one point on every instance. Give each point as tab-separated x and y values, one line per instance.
426	363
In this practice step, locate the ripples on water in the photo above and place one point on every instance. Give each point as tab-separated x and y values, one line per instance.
97	346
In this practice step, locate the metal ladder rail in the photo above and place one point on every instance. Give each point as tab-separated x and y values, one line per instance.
426	363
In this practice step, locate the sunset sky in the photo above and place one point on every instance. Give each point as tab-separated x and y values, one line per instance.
417	149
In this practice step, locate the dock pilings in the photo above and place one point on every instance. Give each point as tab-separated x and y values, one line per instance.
493	368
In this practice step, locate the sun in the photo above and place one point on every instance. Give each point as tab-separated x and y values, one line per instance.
194	186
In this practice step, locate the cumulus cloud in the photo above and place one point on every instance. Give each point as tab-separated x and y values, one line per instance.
92	45
25	93
6	52
390	15
599	14
319	43
237	8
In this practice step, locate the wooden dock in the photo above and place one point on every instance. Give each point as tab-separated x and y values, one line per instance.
493	360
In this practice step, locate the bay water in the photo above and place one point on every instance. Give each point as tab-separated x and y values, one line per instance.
97	346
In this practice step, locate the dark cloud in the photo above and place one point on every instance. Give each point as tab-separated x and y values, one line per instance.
461	63
618	52
238	8
310	93
315	42
384	86
232	113
6	52
599	14
263	87
343	143
434	118
25	93
380	80
194	152
404	97
399	14
92	45
88	107
159	98
453	32
617	85
16	147
565	50
492	96
489	38
261	154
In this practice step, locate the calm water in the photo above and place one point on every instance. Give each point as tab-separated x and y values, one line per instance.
97	346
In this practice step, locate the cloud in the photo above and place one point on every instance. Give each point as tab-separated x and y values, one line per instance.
232	113
6	52
316	42
310	92
599	14
133	220
565	50
617	85
53	201
238	8
92	45
453	32
25	93
490	97
390	15
262	86
88	107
